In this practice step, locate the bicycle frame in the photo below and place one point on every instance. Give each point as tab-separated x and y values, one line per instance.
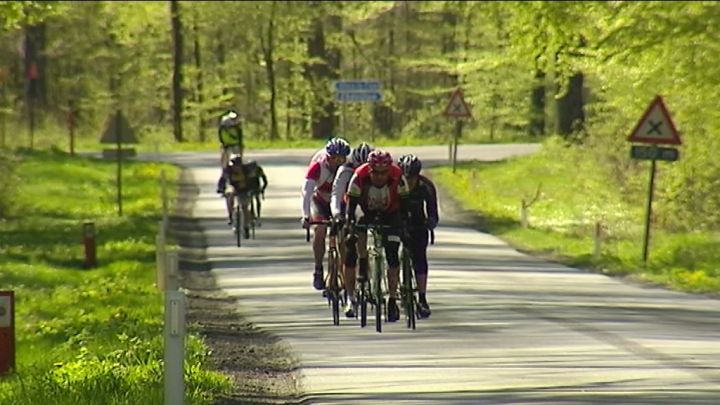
239	217
334	280
376	259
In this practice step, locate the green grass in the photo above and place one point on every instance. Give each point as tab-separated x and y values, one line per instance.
49	135
574	196
90	336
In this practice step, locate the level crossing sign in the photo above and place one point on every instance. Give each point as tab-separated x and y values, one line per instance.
457	107
656	126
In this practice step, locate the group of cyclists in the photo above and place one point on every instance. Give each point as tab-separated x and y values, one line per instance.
245	179
341	179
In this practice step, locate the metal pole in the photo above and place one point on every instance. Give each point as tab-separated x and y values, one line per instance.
343	117
119	162
649	209
164	201
458	133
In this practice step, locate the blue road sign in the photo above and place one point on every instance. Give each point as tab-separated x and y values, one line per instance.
349	97
357	85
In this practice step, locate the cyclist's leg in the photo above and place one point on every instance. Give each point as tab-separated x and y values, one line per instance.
229	204
224	159
418	250
392	252
319	211
392	255
258	206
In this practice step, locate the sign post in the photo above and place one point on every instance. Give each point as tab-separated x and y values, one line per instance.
118	131
456	108
655	127
7	332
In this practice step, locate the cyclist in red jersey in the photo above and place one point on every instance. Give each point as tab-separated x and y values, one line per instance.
379	188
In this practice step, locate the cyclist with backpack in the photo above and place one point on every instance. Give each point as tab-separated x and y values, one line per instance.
230	135
422	215
245	180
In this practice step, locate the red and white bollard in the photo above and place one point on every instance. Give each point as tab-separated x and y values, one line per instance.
7	332
89	242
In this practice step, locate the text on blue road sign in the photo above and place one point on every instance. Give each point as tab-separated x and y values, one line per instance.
357	85
367	96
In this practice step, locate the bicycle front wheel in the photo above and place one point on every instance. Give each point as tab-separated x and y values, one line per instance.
377	288
334	286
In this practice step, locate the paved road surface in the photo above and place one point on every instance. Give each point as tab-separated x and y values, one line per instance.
506	328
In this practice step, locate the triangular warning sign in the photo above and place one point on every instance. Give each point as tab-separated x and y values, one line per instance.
457	106
116	127
656	126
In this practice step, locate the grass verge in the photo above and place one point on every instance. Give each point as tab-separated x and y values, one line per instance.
89	336
572	198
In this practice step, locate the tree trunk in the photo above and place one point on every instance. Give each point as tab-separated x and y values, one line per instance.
570	112
537	106
177	70
319	73
267	50
199	91
36	63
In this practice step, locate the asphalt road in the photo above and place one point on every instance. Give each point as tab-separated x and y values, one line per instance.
506	328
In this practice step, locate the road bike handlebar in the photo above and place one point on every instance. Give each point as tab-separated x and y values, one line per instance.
365	226
321	222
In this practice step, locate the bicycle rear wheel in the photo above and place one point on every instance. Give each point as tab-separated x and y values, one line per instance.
238	223
407	292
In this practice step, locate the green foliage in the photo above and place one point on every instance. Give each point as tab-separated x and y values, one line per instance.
89	336
498	52
8	182
574	196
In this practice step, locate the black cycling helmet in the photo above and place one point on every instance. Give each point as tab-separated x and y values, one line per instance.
410	165
235	160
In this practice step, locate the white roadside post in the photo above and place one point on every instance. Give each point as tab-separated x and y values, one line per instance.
174	334
175	308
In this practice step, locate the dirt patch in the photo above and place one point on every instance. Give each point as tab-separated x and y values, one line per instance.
263	369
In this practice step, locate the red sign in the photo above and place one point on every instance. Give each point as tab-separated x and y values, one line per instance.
7	332
32	72
457	106
656	126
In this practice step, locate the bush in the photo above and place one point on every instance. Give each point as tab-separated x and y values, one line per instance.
8	182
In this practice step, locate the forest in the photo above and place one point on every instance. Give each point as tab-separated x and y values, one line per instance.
583	71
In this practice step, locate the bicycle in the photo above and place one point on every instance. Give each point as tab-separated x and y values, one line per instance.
238	216
334	280
371	290
408	286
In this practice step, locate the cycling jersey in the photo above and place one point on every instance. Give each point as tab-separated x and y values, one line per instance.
340	188
372	198
318	185
230	136
246	177
422	202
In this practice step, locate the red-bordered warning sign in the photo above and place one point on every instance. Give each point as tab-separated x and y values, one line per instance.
7	332
457	107
656	126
